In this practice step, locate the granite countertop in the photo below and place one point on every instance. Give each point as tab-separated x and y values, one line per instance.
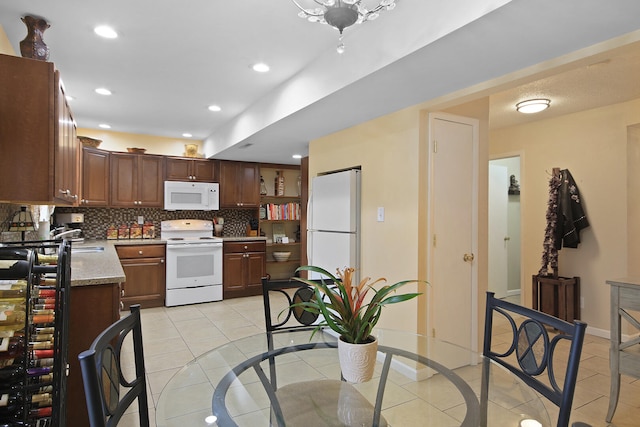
100	267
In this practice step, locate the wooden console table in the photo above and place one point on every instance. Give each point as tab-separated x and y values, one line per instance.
624	357
557	296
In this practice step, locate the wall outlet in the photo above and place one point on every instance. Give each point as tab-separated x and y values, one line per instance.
140	219
581	302
381	214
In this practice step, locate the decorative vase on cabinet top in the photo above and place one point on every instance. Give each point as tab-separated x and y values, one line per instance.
33	46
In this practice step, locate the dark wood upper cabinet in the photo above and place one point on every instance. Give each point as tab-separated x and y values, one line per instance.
137	180
40	161
239	184
196	170
95	177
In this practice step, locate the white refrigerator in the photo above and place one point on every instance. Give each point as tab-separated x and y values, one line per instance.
334	222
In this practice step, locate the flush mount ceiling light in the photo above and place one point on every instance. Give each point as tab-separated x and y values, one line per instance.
214	108
531	106
260	67
341	14
103	91
104	126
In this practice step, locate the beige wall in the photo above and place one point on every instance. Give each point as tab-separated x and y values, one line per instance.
119	141
392	152
633	201
593	146
5	45
387	151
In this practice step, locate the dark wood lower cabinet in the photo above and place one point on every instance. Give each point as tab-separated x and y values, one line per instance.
243	269
144	267
92	309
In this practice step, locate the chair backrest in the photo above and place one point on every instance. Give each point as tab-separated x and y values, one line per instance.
110	391
531	351
278	312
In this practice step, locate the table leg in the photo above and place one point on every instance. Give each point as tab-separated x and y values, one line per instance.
614	352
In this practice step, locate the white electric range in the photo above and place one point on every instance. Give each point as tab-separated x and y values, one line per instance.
194	262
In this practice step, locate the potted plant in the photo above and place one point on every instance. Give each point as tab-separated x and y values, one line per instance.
346	311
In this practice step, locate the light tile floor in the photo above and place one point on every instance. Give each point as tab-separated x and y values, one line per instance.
175	335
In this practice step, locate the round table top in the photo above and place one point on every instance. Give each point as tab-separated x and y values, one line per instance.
428	382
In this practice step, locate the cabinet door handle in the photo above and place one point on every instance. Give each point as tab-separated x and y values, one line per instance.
161	261
139	252
121	306
122	292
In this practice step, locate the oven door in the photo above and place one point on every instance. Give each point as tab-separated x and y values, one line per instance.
194	264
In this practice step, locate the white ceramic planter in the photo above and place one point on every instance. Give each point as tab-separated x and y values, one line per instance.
357	360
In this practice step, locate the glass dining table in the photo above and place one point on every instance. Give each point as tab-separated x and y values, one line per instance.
295	381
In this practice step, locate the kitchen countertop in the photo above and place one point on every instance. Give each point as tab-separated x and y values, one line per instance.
96	268
101	267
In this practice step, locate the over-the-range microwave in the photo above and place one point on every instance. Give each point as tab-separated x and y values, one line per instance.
195	196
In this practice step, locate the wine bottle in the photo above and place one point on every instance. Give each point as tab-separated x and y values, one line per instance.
11	374
11	347
15	263
47	259
11	404
13	289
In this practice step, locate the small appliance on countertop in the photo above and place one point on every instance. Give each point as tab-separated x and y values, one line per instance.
69	226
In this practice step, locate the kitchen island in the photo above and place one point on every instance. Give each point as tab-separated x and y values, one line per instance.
96	278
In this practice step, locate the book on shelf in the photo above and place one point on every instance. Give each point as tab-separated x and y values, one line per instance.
283	212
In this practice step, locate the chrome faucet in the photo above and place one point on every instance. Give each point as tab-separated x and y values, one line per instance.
65	234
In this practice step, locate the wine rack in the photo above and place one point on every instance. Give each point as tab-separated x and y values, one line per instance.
34	296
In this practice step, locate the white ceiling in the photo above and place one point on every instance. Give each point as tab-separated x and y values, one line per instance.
173	59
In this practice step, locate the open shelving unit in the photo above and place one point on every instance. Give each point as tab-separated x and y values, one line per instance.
280	216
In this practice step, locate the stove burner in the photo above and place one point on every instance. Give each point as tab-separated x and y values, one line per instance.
207	238
176	238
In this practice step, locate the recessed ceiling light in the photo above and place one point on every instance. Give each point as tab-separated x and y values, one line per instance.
187	135
260	67
104	126
215	108
69	98
531	106
105	31
297	156
103	91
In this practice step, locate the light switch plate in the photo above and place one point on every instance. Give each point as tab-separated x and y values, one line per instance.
381	214
140	219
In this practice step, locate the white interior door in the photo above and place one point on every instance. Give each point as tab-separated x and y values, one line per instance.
498	231
453	228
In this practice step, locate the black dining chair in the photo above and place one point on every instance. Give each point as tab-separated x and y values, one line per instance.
530	353
110	391
279	316
289	401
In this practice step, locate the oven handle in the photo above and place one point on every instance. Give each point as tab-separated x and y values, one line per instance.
193	246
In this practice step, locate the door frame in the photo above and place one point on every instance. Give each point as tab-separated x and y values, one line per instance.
520	155
475	124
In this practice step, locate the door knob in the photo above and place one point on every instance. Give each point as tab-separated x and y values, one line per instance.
468	257
507	238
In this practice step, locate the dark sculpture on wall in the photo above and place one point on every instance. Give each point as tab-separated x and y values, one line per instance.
33	46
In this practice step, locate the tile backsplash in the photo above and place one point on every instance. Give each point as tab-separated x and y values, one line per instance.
97	220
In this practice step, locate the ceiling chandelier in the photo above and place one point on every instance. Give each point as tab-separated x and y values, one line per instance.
341	14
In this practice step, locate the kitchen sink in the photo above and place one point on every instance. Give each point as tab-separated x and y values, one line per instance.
87	249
